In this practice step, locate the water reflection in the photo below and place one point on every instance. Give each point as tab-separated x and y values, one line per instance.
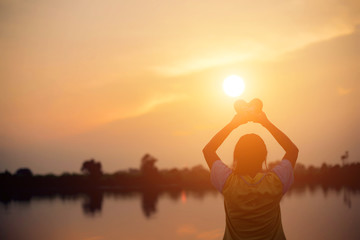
149	201
347	193
347	198
92	201
143	214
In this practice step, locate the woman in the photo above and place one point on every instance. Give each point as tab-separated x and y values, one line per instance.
251	196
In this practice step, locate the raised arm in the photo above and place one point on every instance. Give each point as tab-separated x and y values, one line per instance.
209	150
285	142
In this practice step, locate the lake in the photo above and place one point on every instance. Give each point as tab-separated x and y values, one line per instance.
306	214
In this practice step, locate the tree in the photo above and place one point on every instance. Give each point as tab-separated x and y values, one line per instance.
92	168
24	172
148	169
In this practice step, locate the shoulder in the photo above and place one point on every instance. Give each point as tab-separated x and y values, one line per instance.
218	174
284	171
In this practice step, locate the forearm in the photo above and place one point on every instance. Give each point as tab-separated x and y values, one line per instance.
218	139
209	150
284	141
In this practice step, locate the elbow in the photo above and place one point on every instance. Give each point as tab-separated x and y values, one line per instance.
205	150
293	149
296	150
207	147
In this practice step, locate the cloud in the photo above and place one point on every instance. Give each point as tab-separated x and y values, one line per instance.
257	31
138	39
199	63
344	91
146	107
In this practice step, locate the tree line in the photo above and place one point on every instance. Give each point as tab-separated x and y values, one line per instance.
148	176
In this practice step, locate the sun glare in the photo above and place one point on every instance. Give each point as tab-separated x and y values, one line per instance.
233	86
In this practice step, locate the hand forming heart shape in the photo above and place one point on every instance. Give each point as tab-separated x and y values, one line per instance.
251	108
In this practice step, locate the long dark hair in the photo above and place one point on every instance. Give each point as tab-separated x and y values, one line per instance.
249	154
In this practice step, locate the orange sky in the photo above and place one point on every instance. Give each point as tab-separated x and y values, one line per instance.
115	80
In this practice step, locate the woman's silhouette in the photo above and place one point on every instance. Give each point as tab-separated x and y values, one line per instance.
251	195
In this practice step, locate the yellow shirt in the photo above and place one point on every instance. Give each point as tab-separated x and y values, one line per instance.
252	207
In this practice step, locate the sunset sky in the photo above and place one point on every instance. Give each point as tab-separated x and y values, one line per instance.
113	80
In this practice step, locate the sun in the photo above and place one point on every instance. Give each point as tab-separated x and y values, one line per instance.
233	86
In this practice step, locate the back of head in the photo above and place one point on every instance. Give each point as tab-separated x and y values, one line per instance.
249	154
